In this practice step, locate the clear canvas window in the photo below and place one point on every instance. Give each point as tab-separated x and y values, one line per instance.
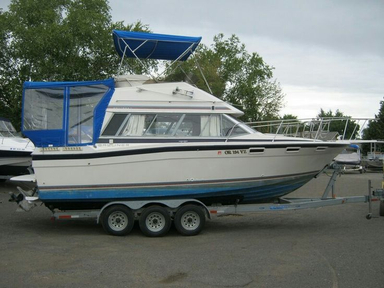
83	100
43	109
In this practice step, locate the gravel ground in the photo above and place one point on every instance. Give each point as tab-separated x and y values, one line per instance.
324	247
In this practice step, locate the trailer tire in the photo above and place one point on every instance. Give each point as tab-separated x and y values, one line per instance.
117	220
381	208
189	220
155	221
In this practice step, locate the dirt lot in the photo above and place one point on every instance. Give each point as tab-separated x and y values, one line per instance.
325	247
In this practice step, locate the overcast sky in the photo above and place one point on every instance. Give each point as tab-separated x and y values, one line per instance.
326	54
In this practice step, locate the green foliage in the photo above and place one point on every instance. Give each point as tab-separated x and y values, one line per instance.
288	117
63	40
340	125
10	84
234	75
375	130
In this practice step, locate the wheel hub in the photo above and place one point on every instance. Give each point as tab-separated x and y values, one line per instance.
155	222
190	220
118	221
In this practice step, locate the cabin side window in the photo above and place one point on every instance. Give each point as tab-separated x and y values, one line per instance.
172	125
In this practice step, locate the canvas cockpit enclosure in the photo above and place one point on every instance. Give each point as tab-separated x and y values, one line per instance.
65	113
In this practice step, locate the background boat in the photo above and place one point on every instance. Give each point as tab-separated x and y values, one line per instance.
15	151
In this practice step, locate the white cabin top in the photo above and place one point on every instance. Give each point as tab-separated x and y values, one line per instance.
133	95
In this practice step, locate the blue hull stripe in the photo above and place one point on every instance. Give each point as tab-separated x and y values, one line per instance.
248	191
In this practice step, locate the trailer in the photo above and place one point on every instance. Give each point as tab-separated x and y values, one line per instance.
189	215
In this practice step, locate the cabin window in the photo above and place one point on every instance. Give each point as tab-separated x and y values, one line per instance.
114	124
135	125
210	126
162	125
189	126
176	125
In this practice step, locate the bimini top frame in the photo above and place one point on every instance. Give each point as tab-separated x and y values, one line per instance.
141	45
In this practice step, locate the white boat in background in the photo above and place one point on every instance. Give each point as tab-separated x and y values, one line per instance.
350	159
125	139
15	151
374	159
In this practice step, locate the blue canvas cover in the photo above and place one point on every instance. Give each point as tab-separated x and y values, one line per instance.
57	114
154	46
354	146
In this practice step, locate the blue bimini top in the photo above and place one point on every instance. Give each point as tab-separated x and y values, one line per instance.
154	46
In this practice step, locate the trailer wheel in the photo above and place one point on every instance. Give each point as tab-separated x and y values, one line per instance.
189	220
117	220
382	208
155	221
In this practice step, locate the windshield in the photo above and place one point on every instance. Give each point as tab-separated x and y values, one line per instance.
238	127
6	128
174	125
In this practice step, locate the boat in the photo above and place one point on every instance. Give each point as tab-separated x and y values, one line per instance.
350	159
127	138
15	151
374	159
373	163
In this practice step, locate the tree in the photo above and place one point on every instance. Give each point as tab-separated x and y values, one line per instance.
375	130
63	40
10	85
288	117
340	122
235	76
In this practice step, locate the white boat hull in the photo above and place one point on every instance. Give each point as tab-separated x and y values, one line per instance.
245	172
15	156
19	161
